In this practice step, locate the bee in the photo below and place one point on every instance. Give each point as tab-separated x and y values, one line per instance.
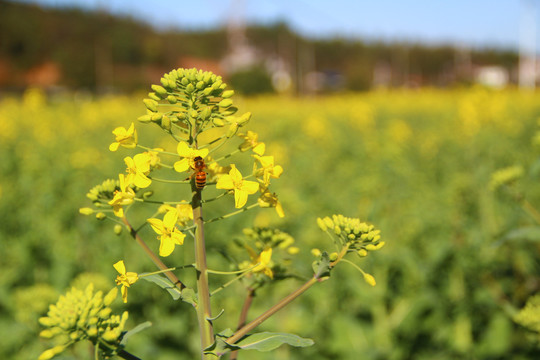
200	175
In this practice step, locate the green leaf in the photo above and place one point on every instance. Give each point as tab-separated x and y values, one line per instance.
322	267
267	341
135	330
528	233
187	294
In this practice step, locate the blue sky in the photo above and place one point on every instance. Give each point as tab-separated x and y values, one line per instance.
494	23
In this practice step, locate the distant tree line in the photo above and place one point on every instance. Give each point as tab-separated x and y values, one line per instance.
97	50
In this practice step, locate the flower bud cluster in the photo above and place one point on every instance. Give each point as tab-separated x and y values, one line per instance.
84	315
263	238
352	232
104	192
200	98
505	176
270	249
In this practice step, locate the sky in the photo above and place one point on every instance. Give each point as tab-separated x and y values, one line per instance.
472	23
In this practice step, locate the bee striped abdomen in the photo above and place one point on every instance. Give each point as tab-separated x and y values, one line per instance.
200	180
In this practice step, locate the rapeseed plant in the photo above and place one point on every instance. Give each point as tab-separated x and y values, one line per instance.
195	110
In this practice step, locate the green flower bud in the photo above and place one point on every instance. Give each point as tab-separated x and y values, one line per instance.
218	122
227	94
329	223
172	99
50	353
337	230
166	123
150	104
104	313
46	321
159	90
110	297
184	81
206	112
118	229
110	336
200	85
154	96
156	117
86	211
190	88
47	334
164	81
362	253
232	130
321	224
101	216
207	91
225	103
92	332
244	119
333	256
145	118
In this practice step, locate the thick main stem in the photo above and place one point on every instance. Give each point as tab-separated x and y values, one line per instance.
204	311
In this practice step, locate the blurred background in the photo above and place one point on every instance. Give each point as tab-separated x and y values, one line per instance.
303	47
400	113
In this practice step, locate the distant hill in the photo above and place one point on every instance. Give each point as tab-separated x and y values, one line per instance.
75	49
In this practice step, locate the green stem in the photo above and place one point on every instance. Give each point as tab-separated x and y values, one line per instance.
170	181
233	213
154	150
228	155
169	274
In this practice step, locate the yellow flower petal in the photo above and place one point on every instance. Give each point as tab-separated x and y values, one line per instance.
157	225
240	198
236	176
183	149
169	219
124	291
182	165
114	146
250	187
225	182
141	180
120	267
259	149
166	247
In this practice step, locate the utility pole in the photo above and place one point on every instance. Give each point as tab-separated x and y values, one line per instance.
527	45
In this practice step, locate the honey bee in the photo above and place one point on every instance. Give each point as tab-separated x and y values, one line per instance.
200	175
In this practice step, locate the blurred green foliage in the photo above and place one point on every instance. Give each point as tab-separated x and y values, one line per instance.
416	164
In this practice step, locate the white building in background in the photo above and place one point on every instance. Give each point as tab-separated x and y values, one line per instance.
492	76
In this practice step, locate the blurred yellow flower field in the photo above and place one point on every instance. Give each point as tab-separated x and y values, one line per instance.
416	162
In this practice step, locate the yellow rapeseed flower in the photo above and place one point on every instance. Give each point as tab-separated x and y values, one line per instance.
169	235
122	197
242	188
126	279
188	154
268	169
251	142
268	199
137	168
126	138
263	260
